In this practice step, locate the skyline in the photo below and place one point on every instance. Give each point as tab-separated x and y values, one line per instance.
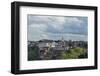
54	27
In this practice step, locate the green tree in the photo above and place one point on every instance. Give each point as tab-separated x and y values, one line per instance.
74	53
33	53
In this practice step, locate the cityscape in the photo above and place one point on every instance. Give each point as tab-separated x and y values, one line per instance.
57	37
60	49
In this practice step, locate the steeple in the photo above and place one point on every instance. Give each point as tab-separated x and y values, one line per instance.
62	38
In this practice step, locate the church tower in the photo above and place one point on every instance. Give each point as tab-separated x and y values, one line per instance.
63	42
62	39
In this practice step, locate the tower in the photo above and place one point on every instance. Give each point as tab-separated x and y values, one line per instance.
63	43
62	39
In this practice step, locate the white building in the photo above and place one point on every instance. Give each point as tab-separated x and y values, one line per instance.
46	44
51	44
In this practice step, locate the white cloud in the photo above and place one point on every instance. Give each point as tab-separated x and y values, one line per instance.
74	20
36	32
55	22
41	27
38	27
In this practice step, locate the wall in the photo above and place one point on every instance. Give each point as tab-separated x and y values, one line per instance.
5	41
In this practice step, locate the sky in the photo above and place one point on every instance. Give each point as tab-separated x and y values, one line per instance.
54	27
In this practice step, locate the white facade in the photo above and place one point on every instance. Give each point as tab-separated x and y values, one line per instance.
46	44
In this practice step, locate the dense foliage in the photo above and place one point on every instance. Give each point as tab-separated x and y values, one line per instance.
33	53
74	53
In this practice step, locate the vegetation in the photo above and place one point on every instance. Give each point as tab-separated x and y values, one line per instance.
74	53
33	53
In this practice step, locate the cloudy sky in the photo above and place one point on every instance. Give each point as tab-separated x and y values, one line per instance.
54	27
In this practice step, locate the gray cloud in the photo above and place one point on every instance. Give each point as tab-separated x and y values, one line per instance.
52	27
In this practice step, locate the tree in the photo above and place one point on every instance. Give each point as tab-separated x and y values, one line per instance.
33	53
74	53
